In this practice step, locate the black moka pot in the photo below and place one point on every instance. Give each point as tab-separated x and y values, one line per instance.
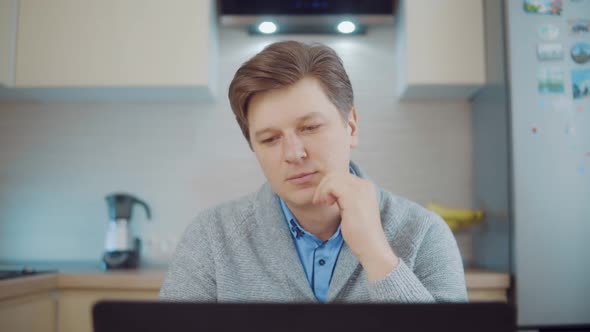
122	249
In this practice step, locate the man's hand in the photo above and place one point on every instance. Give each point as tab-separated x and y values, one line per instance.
361	221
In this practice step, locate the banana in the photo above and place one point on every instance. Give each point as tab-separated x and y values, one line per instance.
453	224
456	218
456	214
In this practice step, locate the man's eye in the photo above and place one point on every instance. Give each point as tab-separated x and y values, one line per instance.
311	128
269	140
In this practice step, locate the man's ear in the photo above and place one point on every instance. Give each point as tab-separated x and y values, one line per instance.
352	124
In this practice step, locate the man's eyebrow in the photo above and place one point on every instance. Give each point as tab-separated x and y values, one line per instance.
299	119
263	131
309	116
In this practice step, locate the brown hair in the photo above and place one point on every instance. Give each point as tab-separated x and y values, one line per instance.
282	64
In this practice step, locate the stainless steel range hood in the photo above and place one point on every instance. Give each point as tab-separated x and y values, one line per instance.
306	13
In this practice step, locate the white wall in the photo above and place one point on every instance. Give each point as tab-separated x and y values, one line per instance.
58	161
8	9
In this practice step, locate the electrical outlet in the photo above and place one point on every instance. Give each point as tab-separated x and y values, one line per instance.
160	248
168	245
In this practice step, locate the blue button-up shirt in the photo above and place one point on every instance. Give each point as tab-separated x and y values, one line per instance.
318	257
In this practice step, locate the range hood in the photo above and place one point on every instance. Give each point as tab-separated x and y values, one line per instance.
306	13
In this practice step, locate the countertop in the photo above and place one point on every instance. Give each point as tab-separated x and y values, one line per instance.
150	279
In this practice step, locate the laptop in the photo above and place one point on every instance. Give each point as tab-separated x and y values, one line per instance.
152	316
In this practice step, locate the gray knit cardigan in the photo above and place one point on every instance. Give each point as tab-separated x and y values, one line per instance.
242	251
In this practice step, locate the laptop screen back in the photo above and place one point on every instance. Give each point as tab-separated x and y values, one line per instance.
130	316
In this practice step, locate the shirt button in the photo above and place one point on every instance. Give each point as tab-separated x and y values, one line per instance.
322	262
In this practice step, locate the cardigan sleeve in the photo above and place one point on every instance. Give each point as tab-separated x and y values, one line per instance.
437	275
191	273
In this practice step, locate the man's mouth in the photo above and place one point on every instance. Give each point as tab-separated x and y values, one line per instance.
301	177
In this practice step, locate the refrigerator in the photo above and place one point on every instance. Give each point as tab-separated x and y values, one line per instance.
531	127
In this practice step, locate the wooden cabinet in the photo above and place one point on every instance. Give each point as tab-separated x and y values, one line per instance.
487	295
30	313
8	19
63	302
75	306
487	286
440	49
111	49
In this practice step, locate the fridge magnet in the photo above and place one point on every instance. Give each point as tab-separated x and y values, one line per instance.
581	83
580	53
548	32
534	129
552	51
580	108
587	154
578	26
570	130
550	80
544	7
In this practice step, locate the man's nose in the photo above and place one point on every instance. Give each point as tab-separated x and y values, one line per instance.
293	149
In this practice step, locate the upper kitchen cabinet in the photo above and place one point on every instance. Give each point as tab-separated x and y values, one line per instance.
440	49
116	50
8	14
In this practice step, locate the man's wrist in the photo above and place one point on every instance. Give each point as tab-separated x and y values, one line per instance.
378	265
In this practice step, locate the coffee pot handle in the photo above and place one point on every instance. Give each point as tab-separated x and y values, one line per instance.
145	206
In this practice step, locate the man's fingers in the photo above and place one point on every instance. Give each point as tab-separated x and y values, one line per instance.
330	199
318	195
330	189
323	191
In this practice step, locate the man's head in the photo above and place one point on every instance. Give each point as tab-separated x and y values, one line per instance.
294	104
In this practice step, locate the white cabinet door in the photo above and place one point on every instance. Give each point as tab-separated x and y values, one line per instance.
114	43
8	17
440	48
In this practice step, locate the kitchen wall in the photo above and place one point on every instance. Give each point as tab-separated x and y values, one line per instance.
58	161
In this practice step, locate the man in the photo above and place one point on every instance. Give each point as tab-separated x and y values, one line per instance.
319	230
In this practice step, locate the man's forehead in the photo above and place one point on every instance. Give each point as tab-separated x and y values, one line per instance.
310	115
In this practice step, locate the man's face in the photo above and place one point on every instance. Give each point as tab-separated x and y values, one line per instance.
298	137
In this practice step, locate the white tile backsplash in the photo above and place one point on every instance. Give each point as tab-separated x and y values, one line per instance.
58	161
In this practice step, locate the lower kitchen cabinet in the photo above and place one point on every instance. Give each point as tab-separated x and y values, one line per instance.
30	313
63	302
75	306
487	295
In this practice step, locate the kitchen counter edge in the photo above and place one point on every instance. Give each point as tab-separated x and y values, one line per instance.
151	280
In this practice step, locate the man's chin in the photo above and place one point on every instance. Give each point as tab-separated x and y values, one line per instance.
301	197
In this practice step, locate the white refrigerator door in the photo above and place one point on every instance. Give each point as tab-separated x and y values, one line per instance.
550	130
